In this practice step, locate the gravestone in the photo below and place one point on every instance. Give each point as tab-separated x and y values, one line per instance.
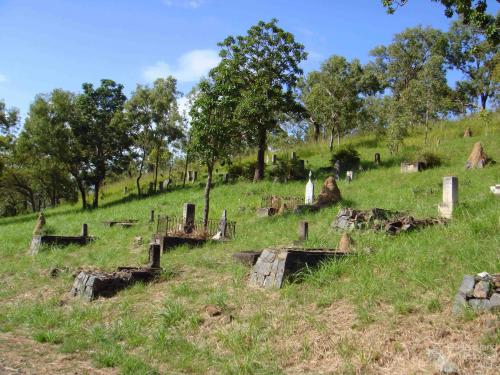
266	211
274	159
349	175
303	230
160	186
329	194
154	255
302	164
450	197
309	190
225	178
411	167
188	217
190	176
223	224
346	243
377	159
85	230
152	216
477	158
195	176
267	159
294	155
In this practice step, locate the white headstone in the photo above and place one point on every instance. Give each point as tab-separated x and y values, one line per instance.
309	190
495	189
450	196
349	175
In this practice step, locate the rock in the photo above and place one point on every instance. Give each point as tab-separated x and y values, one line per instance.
443	364
138	241
495	301
483	276
477	158
467	287
479	304
346	243
329	194
468	133
265	212
495	280
54	272
213	310
459	305
482	289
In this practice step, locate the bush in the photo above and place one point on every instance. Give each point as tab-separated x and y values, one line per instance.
288	169
348	158
242	170
429	159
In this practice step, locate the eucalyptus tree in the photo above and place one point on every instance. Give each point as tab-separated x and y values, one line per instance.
264	65
401	61
153	114
102	132
215	135
9	118
472	54
336	92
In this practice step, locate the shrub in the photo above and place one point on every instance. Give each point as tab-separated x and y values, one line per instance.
244	170
429	159
288	169
348	158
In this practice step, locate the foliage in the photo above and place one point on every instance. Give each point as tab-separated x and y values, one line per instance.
288	170
263	67
347	156
429	159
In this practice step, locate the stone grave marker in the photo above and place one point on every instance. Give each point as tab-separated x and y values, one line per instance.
303	230
274	159
188	217
152	216
195	176
411	167
477	158
377	159
160	186
450	197
85	230
309	190
495	189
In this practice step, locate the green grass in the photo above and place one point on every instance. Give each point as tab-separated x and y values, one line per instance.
162	328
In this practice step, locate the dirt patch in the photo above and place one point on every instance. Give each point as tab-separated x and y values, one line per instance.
20	355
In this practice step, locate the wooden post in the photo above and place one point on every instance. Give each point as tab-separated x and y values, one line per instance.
152	216
85	230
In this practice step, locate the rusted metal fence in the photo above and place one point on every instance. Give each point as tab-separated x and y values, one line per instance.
176	226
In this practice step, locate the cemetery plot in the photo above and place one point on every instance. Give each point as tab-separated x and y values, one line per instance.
275	204
391	222
480	292
174	231
127	223
91	285
38	239
274	266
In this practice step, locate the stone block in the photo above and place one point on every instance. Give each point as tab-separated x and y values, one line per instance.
266	211
467	287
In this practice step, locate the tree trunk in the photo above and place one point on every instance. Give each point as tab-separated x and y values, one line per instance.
95	203
317	129
81	188
137	181
331	139
338	137
426	125
207	195
185	169
484	99
259	168
157	162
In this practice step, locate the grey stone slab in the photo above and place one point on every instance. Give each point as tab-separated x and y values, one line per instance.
467	287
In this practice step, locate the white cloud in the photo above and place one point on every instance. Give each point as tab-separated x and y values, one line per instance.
189	67
3	78
193	4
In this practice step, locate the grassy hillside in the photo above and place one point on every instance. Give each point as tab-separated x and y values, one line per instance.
374	312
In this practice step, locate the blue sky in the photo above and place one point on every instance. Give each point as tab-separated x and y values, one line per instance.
47	44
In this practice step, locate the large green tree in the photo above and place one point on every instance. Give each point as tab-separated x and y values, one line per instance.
154	116
214	135
102	132
402	60
472	54
264	65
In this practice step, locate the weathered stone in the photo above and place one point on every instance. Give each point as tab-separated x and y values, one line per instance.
450	197
303	230
495	301
213	310
483	276
152	216
36	242
495	189
85	230
377	159
330	193
411	167
188	217
495	280
266	211
468	132
275	265
40	223
154	255
459	304
467	287
479	304
477	158
482	289
346	243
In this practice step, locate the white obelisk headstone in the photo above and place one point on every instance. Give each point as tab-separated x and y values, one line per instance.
309	190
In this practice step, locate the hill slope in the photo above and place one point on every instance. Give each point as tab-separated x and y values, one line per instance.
375	312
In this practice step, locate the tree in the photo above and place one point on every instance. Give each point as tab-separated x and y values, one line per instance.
428	95
473	12
49	133
264	65
101	131
9	118
472	54
154	116
401	61
214	133
334	97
